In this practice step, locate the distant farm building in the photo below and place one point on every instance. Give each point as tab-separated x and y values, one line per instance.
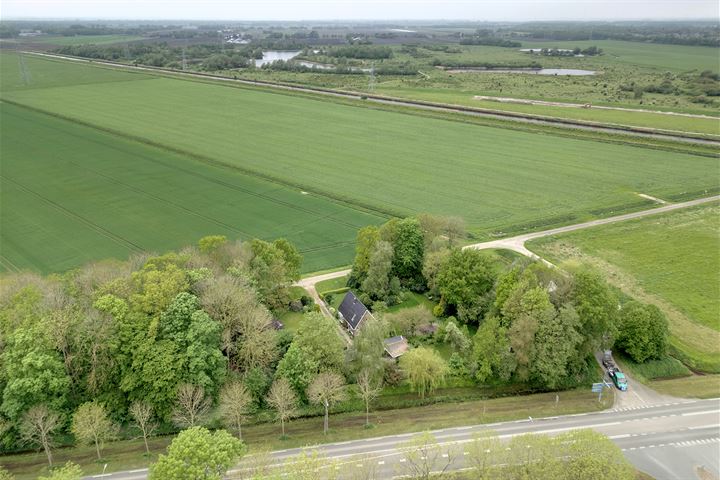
353	313
395	346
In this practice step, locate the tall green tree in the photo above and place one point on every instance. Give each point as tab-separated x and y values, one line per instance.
597	307
409	252
198	454
196	339
377	280
643	331
316	347
492	356
367	237
556	345
464	280
32	371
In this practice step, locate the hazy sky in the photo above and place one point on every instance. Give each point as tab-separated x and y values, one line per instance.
363	9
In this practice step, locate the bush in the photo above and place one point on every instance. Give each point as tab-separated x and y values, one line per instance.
296	306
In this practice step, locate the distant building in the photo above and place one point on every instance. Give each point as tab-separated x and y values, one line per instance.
395	346
353	313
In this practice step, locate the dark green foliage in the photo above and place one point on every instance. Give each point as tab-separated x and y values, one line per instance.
643	331
409	251
464	280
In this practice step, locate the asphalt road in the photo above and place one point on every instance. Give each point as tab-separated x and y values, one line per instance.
668	441
661	134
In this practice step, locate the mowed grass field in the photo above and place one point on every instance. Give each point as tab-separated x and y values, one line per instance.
62	41
500	181
671	260
72	194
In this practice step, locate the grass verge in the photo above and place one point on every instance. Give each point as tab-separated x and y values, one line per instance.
129	454
696	386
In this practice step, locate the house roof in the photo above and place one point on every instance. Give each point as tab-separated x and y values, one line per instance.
395	346
352	310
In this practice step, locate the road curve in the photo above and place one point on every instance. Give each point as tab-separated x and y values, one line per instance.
673	135
517	243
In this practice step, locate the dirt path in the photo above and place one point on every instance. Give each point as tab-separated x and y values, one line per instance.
527	101
517	243
646	132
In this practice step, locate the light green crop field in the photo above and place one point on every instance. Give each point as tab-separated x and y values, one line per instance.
671	260
498	180
666	57
72	194
85	39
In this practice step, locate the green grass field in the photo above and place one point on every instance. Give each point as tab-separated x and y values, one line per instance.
72	194
671	260
85	39
499	180
663	57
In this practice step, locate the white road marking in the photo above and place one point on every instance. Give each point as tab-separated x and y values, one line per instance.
704	412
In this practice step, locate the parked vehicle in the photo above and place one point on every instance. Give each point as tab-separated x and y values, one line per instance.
607	360
618	379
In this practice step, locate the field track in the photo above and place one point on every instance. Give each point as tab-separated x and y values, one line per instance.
673	135
517	243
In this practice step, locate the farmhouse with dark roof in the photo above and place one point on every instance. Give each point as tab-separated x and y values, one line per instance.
353	313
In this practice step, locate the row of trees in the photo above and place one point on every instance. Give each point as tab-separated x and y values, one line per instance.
155	337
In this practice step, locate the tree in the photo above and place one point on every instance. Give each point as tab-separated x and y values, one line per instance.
369	387
246	336
91	425
327	389
367	237
37	427
197	454
195	337
377	280
235	401
283	400
455	337
142	413
463	281
32	371
273	267
192	405
366	352
316	347
643	331
556	345
592	456
211	243
408	320
597	308
69	471
432	266
424	458
485	455
491	351
409	251
424	368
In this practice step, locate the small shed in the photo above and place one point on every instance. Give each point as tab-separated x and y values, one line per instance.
352	312
395	346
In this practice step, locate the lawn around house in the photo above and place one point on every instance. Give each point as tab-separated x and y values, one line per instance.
670	260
